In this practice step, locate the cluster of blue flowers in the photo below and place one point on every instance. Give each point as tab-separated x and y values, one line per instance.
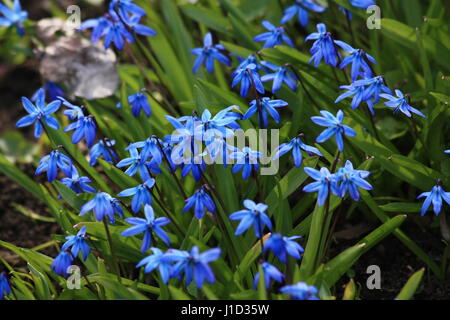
120	25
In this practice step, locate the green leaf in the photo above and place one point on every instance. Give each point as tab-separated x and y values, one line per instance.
411	286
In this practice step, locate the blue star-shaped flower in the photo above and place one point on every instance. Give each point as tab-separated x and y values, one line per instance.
247	77
78	244
103	206
435	197
270	273
73	112
325	182
139	102
141	195
85	128
323	47
301	291
147	226
38	113
100	149
157	260
301	8
208	54
78	184
283	246
400	103
263	107
201	201
274	37
281	74
150	149
296	146
359	60
136	163
246	160
254	216
335	128
5	288
14	16
351	179
126	8
61	263
52	162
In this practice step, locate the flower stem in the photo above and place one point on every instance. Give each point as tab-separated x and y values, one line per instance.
111	247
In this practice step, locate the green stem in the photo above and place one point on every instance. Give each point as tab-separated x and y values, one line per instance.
111	247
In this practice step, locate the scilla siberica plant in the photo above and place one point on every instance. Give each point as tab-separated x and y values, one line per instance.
157	200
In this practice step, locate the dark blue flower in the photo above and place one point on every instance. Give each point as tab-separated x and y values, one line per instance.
301	8
351	179
126	8
358	93
84	127
325	182
323	47
363	4
135	163
274	37
61	263
39	112
100	149
208	54
141	195
157	260
301	291
247	77
150	149
335	128
14	16
254	216
245	160
270	273
52	162
147	226
5	289
140	29
296	145
78	244
434	197
283	246
359	60
74	112
194	264
52	91
104	206
281	74
196	165
263	107
400	103
139	102
78	184
200	201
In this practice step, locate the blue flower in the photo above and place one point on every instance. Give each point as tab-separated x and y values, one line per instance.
78	184
247	77
74	112
254	216
363	4
140	29
196	165
100	149
208	54
400	103
157	260
147	226
283	246
325	182
167	149
141	195
323	47
209	127
104	206
126	8
135	163
447	151
39	112
5	288
281	74
270	273
220	151
358	93
359	60
335	128
194	264
246	160
14	16
52	91
84	128
351	179
434	197
301	8
200	201
150	148
274	37
184	138
78	244
296	145
61	263
52	162
301	291
263	107
139	102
